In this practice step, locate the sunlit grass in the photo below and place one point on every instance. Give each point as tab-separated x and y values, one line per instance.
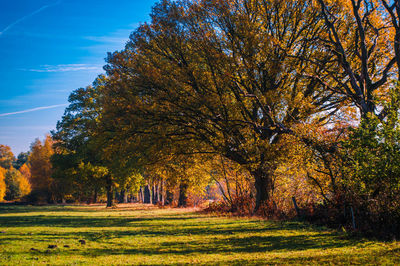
143	235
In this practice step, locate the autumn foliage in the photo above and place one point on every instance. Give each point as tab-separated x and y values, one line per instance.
276	108
14	185
260	106
2	183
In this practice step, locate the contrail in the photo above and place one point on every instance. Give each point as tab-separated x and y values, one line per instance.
33	109
27	16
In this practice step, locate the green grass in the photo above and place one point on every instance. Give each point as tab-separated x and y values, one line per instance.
137	234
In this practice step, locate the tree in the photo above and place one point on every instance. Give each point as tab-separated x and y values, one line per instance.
41	169
21	160
3	187
82	145
17	185
223	77
77	159
359	50
25	171
6	157
371	158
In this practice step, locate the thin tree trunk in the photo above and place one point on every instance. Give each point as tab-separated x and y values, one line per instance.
221	189
158	192
154	193
150	194
146	194
122	196
169	197
109	192
183	187
141	196
116	196
162	193
125	197
296	207
228	189
95	196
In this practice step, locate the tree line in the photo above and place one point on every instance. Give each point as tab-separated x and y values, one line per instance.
267	101
27	177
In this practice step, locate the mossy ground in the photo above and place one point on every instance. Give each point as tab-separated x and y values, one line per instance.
137	234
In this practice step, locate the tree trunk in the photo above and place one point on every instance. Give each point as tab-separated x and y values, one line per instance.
263	185
158	192
122	196
95	196
154	193
140	195
169	197
151	194
147	195
125	197
116	196
109	192
162	193
183	187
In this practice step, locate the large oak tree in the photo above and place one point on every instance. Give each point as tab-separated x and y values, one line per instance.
224	77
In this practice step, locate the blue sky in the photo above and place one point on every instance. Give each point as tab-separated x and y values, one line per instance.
48	48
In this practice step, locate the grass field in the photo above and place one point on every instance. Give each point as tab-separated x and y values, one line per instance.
136	234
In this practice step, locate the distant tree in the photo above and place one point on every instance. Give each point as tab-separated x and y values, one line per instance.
41	169
2	183
6	157
17	185
21	160
25	171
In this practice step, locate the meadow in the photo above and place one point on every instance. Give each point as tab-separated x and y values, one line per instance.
138	234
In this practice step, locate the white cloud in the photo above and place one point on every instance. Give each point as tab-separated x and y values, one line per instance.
65	68
33	109
8	27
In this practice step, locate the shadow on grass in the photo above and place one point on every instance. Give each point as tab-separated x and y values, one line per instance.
213	246
24	208
221	236
81	221
231	245
163	225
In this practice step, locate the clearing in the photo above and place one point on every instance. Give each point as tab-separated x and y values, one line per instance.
138	234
